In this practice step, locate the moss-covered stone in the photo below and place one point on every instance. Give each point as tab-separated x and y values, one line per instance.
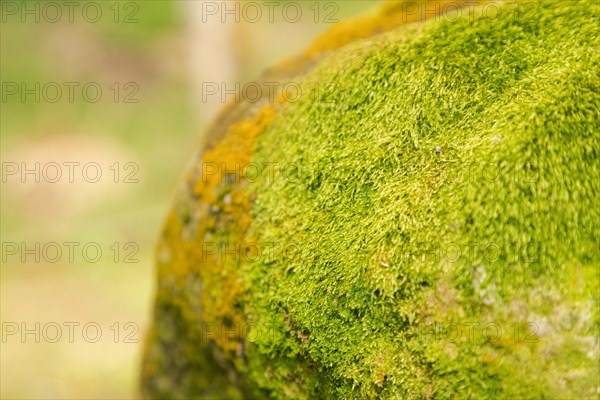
422	222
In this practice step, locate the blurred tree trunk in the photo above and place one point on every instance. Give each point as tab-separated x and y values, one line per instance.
211	50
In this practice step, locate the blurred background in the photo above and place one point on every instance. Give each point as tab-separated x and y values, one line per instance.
102	108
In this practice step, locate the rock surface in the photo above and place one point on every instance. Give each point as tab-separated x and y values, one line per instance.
416	216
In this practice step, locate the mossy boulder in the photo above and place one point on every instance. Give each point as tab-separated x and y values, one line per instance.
420	220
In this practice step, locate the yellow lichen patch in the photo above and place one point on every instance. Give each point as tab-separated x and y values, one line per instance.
234	150
224	217
171	251
283	97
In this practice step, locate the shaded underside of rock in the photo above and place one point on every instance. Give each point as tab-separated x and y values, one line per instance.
419	218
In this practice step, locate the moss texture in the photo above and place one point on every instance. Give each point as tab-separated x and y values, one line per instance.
422	222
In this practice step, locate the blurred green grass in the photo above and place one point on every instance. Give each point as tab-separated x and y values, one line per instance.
160	133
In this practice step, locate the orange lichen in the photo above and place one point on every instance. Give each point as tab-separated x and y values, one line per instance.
218	269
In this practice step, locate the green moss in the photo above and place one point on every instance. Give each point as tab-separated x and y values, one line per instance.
392	14
438	234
